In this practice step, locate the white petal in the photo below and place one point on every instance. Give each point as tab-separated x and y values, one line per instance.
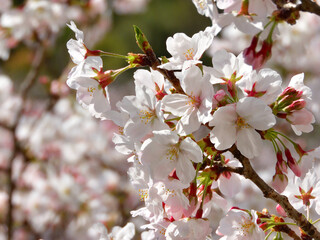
256	113
249	142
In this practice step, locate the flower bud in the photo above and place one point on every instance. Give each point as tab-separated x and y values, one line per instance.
281	211
250	52
141	39
281	164
287	97
279	182
295	105
293	165
263	55
299	150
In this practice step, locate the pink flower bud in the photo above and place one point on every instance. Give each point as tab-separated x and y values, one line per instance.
281	164
292	163
287	97
220	95
281	211
250	52
279	182
263	225
262	56
299	150
295	105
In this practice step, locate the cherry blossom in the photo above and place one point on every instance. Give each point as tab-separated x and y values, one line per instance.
265	84
240	225
236	123
173	154
226	66
194	107
186	51
303	193
188	229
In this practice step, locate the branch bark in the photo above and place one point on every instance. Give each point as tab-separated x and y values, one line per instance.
268	192
309	6
304	6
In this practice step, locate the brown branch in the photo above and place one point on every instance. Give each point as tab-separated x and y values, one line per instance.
24	90
287	230
309	6
305	6
154	63
268	192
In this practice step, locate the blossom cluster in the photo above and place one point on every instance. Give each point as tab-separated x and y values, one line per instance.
190	128
203	141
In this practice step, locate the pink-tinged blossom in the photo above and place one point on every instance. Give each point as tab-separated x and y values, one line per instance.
76	48
262	8
159	229
152	80
194	108
281	211
186	51
92	93
304	192
144	111
296	82
225	66
149	193
188	228
175	201
230	183
301	120
240	225
237	123
279	182
265	84
249	25
206	7
308	161
166	151
100	232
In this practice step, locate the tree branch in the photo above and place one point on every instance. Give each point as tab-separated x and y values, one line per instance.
24	89
309	6
304	6
268	192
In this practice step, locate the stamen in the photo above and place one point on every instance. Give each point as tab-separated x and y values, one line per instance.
189	54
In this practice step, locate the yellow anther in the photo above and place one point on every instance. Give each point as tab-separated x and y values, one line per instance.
143	193
146	116
241	123
172	153
189	54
